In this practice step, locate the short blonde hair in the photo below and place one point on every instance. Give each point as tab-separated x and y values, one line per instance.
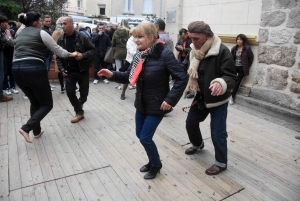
145	29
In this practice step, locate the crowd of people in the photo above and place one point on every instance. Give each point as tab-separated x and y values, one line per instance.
204	69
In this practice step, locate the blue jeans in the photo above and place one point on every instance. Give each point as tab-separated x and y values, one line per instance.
7	62
217	126
1	73
145	129
48	61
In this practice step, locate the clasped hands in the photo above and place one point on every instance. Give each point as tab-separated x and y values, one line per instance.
77	55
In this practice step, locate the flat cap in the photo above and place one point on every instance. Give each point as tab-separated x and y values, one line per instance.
200	27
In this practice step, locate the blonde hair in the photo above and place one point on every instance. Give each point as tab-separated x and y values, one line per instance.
145	29
124	25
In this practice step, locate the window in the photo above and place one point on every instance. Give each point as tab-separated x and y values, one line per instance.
148	7
79	3
128	7
102	10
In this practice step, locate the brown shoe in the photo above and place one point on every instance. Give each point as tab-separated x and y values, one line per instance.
77	118
191	150
6	98
214	170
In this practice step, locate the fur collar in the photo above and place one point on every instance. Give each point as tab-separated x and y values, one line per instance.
157	50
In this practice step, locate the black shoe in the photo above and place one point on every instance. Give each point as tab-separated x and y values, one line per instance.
152	173
122	96
62	91
146	168
191	95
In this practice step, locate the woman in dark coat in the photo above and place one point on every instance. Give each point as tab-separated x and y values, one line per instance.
150	70
243	58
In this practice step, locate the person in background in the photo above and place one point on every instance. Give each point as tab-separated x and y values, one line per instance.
131	50
183	45
160	26
8	51
102	43
88	29
94	30
6	39
243	58
212	75
153	95
82	29
13	25
114	27
76	69
31	49
120	38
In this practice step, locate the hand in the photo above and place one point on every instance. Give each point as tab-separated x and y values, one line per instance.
165	106
7	33
73	54
105	72
79	56
100	33
216	89
64	73
180	47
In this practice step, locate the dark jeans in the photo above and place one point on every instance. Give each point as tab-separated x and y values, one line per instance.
181	59
83	81
99	64
240	77
48	61
61	81
1	73
145	128
32	78
7	61
217	126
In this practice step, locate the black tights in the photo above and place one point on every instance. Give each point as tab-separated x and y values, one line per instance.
61	81
240	77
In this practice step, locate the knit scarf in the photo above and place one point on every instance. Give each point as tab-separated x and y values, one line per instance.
198	55
137	64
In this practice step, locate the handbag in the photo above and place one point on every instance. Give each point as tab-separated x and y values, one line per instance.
124	66
109	55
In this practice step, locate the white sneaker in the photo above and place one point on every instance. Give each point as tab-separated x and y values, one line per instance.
231	102
131	87
119	87
14	90
25	97
52	86
7	91
95	81
171	82
105	81
77	89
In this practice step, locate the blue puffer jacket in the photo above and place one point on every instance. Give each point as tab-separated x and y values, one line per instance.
152	87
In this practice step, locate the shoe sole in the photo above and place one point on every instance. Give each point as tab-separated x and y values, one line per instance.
39	135
77	121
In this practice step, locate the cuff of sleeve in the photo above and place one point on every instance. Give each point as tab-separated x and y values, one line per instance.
222	83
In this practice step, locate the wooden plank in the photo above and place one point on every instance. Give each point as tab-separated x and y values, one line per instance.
86	187
40	192
28	194
15	195
52	191
64	190
3	124
4	181
14	167
75	188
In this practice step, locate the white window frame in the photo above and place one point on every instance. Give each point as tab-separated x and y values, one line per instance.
102	6
128	7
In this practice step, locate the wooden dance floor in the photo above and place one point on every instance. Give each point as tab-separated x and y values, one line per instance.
99	158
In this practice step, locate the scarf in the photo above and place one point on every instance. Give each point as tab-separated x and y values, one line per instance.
192	85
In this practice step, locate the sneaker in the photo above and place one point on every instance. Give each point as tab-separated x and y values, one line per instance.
52	86
116	86
96	81
6	98
8	92
231	102
119	87
105	81
77	89
14	90
190	95
63	91
25	97
77	118
171	82
131	87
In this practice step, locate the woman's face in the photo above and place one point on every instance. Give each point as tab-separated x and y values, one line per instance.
38	23
239	41
142	42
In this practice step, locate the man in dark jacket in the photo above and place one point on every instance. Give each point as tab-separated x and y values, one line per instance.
183	45
213	75
76	69
102	42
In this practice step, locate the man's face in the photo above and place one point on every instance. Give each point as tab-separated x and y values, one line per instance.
101	28
115	26
198	39
47	22
67	25
183	36
4	25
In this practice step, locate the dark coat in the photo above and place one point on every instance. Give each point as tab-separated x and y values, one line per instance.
101	42
187	48
119	41
246	57
152	87
83	45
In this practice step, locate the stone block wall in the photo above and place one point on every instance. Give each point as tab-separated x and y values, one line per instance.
278	69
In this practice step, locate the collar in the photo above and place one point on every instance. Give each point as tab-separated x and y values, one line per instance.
214	49
72	35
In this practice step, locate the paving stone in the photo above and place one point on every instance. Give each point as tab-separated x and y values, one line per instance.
283	4
272	19
295	88
296	76
276	78
294	18
263	35
259	75
297	37
280	36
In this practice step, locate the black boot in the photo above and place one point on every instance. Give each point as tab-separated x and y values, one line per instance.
152	173
146	168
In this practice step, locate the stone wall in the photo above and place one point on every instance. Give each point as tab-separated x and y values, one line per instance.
278	70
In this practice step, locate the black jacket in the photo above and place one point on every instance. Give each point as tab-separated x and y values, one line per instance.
187	48
246	57
218	66
152	87
83	45
101	42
